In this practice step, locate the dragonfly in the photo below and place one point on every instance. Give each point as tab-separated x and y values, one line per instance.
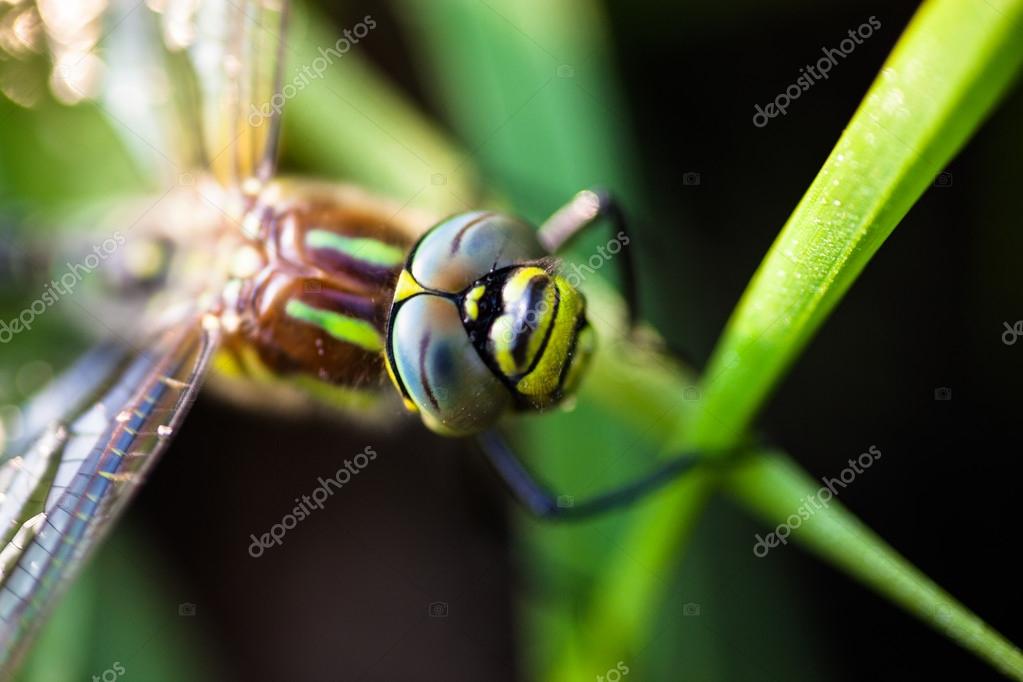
285	287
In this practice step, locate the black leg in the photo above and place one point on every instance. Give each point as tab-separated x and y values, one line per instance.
586	209
541	502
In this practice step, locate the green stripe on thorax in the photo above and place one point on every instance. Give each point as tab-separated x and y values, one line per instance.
342	327
360	248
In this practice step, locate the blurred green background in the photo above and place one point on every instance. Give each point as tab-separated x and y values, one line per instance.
456	103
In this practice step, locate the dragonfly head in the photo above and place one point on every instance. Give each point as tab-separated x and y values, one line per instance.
482	324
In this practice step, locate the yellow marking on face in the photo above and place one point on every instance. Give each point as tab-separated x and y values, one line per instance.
505	330
516	285
541	324
472	308
406	286
502	331
542	382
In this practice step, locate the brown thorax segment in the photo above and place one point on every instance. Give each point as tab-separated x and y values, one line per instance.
313	281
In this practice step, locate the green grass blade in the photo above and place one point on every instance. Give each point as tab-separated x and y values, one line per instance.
946	73
948	69
775	487
352	123
530	87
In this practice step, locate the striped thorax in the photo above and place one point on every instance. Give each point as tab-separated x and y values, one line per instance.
470	321
312	310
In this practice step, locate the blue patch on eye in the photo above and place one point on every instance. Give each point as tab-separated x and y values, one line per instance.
442	364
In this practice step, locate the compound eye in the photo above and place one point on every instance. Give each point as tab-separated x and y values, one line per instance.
462	249
441	371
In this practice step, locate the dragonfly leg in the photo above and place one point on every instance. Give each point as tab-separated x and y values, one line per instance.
543	503
586	209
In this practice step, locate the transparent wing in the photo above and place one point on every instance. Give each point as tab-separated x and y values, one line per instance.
149	93
91	438
238	55
186	84
192	85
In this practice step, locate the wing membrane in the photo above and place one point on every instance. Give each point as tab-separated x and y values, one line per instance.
67	486
150	96
186	84
70	392
193	84
237	54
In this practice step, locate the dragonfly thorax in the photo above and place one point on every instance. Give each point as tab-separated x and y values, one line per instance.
314	301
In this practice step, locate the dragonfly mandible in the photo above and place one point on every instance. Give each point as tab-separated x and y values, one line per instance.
290	286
